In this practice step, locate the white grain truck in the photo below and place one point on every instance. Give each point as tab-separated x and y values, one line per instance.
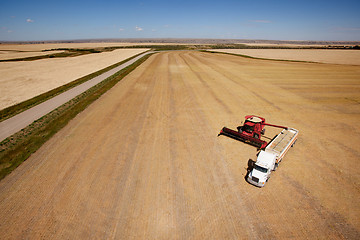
269	158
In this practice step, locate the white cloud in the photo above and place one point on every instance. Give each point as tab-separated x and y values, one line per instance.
121	29
29	20
138	28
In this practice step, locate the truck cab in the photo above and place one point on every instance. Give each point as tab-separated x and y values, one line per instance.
260	174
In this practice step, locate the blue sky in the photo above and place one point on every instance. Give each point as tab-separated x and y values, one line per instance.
330	20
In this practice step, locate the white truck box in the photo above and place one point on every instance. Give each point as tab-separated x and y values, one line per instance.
269	158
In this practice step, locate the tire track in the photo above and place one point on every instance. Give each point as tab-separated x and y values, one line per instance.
217	174
181	209
204	83
121	209
209	65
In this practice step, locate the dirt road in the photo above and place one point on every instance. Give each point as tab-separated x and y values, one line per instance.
144	161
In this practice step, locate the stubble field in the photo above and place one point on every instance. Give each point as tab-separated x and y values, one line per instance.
23	80
332	56
6	55
145	161
47	46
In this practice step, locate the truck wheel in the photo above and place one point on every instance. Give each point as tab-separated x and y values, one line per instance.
276	166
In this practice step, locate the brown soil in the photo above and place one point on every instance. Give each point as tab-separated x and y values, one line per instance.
145	161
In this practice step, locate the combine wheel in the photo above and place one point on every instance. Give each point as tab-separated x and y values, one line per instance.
256	136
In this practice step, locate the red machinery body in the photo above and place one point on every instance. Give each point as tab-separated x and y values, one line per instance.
244	138
253	126
251	131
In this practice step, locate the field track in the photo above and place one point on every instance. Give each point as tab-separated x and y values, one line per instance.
144	161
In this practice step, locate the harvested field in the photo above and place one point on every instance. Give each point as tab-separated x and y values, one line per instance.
333	56
145	161
299	44
23	80
5	55
48	46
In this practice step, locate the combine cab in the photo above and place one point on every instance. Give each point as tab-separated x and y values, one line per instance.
253	126
250	132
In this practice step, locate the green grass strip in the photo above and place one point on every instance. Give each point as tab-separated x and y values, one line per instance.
20	107
17	148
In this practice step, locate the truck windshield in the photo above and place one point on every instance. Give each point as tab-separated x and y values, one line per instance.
261	169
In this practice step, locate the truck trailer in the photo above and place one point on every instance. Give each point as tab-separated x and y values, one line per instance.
269	158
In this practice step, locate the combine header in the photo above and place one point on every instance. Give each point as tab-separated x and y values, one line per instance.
251	131
242	137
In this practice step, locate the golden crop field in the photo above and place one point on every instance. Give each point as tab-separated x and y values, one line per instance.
23	80
144	161
334	56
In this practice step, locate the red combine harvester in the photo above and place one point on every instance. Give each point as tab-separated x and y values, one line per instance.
251	131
